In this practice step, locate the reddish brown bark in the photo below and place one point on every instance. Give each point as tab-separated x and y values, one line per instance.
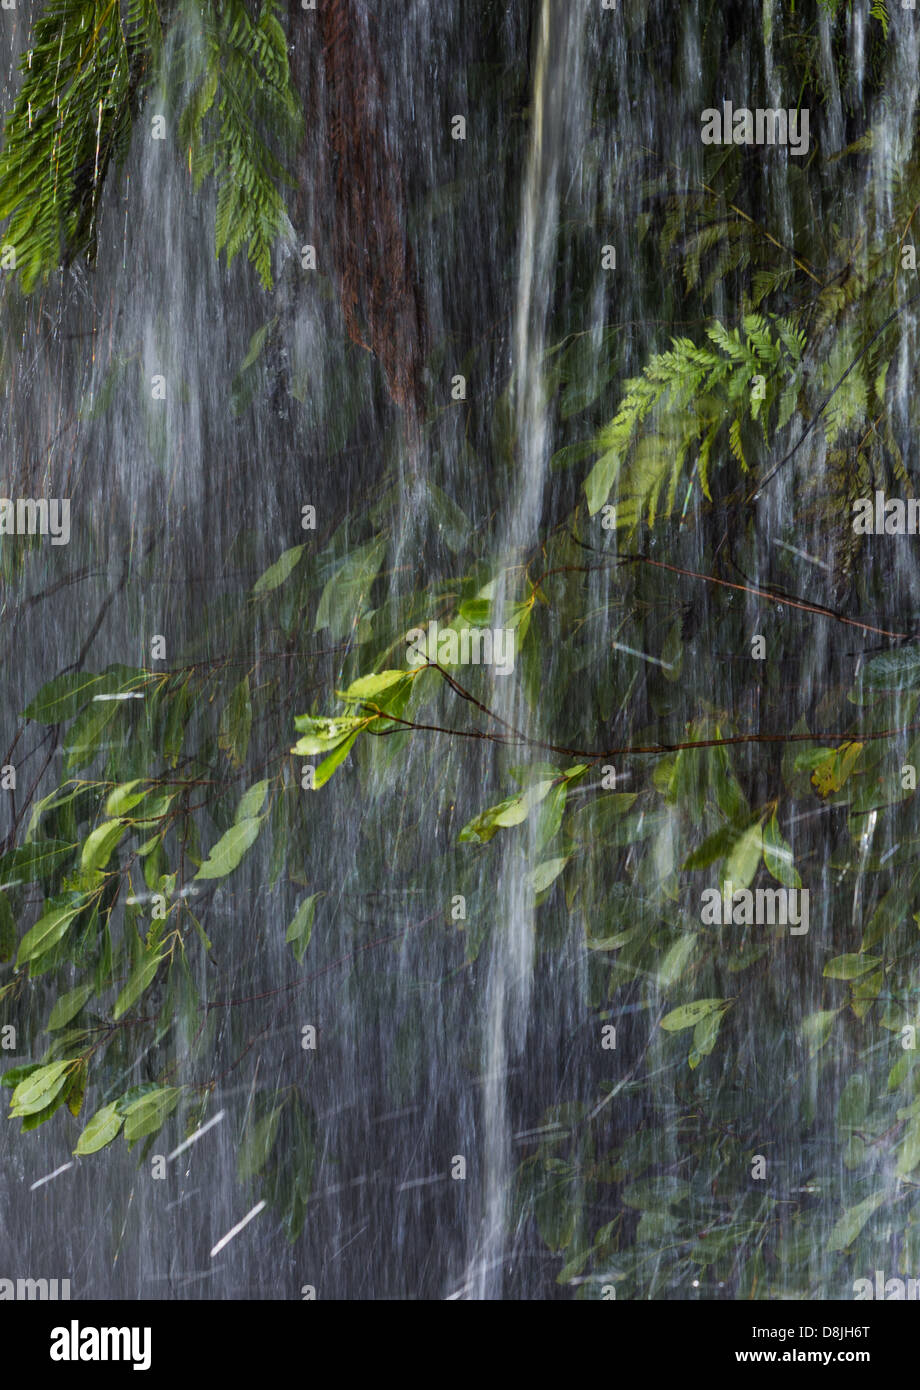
373	259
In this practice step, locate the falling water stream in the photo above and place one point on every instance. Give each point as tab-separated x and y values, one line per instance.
446	1049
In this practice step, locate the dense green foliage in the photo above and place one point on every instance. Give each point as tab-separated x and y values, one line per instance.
210	759
85	76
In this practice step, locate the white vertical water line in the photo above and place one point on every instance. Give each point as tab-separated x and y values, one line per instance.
556	82
538	236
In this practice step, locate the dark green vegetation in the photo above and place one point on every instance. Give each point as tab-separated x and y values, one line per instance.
776	309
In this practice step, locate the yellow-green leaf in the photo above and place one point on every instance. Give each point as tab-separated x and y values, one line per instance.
99	843
124	798
301	929
68	1006
146	1116
230	849
743	858
852	1222
140	979
101	1130
251	802
47	932
367	687
546	873
689	1015
40	1089
850	967
277	573
336	757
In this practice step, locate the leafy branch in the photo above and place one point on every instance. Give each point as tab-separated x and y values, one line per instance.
699	390
85	72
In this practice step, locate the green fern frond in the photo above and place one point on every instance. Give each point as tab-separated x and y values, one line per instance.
242	108
85	73
83	76
692	390
734	443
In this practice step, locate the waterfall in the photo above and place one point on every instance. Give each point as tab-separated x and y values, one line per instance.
510	346
553	149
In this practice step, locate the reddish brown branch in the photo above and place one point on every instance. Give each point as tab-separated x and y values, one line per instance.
764	593
626	750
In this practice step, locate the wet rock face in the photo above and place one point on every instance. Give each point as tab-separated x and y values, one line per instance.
581	963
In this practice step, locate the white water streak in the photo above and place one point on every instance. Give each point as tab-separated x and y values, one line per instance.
48	1176
193	1138
225	1240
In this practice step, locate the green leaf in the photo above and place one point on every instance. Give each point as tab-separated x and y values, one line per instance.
321	735
301	928
257	341
909	1150
477	611
367	687
672	654
101	1130
652	1194
831	773
126	1100
84	737
236	723
672	967
512	811
17	1074
546	873
901	1070
99	844
258	1144
146	1116
41	1088
30	863
75	1090
743	858
230	849
7	929
277	573
714	847
852	1222
47	932
705	1035
689	1015
68	1006
452	523
140	979
601	479
778	857
610	943
180	708
61	698
251	802
335	758
850	967
893	670
601	817
156	810
816	1029
124	798
343	599
549	818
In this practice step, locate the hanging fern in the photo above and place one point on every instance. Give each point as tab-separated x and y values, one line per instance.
693	391
241	92
83	76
